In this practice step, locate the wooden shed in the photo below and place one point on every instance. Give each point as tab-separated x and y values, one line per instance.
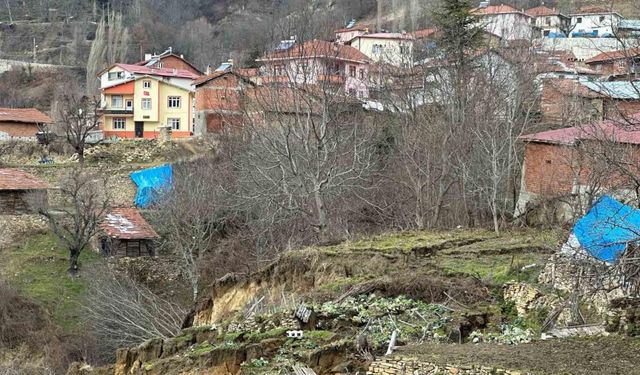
21	193
126	233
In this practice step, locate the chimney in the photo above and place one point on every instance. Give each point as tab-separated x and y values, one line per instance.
181	56
170	49
147	56
208	71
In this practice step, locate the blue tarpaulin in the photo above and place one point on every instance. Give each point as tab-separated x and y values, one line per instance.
607	228
152	183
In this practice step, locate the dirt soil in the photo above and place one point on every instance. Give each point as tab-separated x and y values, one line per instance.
578	356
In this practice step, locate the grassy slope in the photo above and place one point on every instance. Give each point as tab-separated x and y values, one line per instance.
38	268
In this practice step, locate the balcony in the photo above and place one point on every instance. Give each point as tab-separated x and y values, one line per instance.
331	78
118	111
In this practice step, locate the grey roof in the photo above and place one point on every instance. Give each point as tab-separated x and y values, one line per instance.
629	24
615	90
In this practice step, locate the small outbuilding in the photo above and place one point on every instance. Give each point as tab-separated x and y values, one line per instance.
21	193
22	123
126	233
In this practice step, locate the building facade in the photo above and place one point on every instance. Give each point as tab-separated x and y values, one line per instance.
550	21
139	102
506	22
386	48
318	63
594	22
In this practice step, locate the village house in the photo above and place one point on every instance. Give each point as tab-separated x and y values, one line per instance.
386	48
552	23
22	123
140	101
126	233
168	59
318	62
564	101
346	34
21	193
628	29
220	98
561	164
594	22
506	22
622	63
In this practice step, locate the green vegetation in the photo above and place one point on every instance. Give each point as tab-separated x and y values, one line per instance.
39	269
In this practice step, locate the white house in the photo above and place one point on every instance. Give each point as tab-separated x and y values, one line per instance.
552	23
506	22
388	48
594	22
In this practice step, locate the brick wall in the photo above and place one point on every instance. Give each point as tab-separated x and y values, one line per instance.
408	366
548	169
17	129
176	63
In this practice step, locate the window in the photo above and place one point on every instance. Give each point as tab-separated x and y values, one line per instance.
546	33
174	123
174	102
352	91
579	20
376	49
146	103
146	84
115	75
404	49
352	71
278	70
119	123
361	73
547	21
116	101
601	18
302	68
129	104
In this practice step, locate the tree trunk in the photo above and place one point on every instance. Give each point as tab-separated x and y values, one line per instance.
80	152
74	254
322	215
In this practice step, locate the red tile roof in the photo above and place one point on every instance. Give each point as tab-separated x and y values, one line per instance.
15	179
424	33
495	9
621	131
385	36
127	224
26	115
316	49
163	72
144	62
614	55
542	11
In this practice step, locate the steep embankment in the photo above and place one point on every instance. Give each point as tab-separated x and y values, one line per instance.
348	299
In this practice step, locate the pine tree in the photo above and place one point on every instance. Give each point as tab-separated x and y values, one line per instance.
458	29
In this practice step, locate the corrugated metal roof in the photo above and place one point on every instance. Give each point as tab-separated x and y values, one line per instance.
616	90
629	24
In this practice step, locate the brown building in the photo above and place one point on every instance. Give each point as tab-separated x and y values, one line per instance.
616	63
568	101
21	193
567	162
220	100
22	122
169	60
126	233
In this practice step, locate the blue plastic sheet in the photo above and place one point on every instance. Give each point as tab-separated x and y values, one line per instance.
607	228
152	184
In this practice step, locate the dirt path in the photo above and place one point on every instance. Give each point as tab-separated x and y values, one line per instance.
589	356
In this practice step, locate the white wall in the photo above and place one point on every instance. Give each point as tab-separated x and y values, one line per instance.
509	26
604	23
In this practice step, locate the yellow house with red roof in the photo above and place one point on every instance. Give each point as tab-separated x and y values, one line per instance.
138	101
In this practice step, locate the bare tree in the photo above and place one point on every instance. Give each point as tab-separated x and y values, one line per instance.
110	45
123	313
76	221
78	117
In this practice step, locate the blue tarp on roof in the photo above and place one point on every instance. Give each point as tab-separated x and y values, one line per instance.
152	183
607	228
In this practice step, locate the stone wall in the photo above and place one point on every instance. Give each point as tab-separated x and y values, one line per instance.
398	365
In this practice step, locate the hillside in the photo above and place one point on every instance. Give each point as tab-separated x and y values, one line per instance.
433	288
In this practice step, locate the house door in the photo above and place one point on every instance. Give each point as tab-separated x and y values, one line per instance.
139	129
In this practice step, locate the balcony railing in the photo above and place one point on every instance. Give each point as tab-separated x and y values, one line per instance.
120	111
332	78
